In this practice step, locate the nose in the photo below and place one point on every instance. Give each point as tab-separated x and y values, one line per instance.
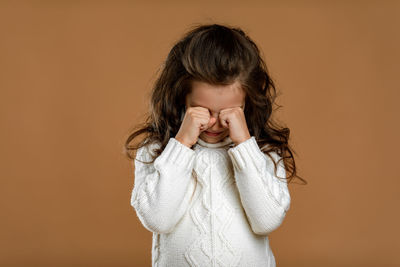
217	126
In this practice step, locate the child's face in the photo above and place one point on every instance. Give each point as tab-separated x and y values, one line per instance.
215	99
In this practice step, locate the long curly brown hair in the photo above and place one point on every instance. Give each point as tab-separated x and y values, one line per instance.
219	55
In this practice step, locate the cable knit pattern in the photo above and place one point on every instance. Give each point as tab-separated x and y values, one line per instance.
265	198
210	205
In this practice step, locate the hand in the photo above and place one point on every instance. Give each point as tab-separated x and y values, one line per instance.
235	121
196	120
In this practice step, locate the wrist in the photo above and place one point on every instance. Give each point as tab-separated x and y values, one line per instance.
183	142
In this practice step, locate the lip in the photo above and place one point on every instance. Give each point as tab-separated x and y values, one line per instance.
212	134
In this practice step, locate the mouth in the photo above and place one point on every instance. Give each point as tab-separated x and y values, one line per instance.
212	134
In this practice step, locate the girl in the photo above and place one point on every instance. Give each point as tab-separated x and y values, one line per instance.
203	186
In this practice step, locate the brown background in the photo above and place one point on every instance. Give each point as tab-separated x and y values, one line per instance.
75	77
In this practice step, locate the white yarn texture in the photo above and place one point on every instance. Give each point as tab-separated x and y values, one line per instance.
210	205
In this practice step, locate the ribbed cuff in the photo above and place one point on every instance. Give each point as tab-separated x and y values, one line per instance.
177	154
247	155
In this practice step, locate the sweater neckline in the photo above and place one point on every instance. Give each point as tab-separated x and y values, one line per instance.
224	142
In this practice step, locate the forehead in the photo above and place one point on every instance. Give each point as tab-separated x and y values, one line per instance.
215	97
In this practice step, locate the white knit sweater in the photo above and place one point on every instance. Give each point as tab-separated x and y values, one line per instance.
210	205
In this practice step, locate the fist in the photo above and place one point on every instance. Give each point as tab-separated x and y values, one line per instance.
235	120
195	121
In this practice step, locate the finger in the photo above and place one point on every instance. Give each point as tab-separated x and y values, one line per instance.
202	113
207	123
200	110
203	127
201	118
204	123
224	121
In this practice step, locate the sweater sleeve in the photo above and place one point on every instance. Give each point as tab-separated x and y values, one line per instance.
163	189
264	197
